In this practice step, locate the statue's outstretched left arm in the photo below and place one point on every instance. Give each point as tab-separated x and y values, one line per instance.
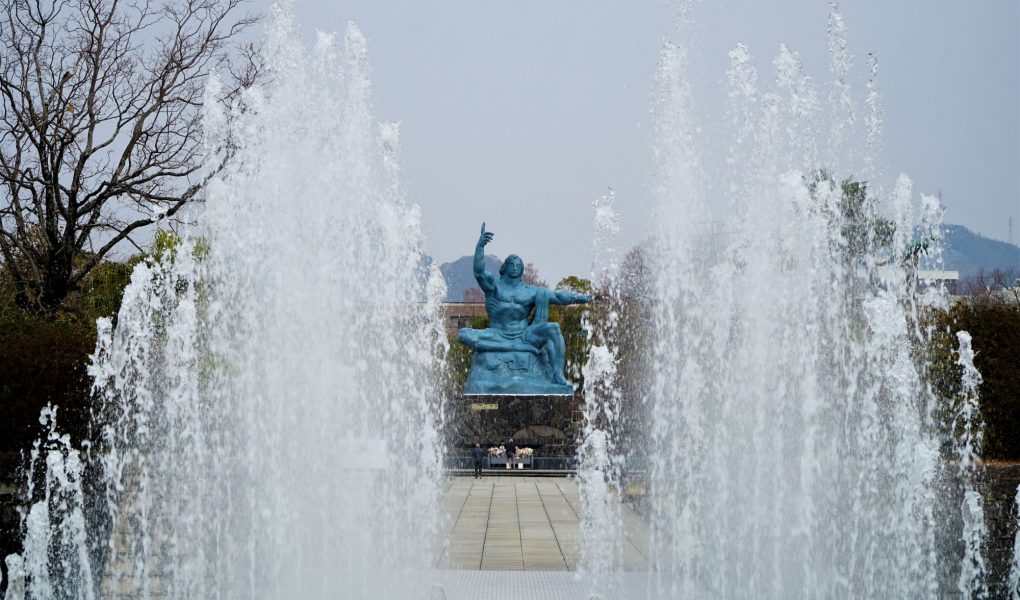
568	297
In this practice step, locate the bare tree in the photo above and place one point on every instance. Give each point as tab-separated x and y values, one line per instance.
636	272
998	287
531	276
474	294
100	126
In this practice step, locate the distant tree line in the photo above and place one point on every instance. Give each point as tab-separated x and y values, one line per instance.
997	287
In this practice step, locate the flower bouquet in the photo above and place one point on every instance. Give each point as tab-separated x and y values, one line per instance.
523	454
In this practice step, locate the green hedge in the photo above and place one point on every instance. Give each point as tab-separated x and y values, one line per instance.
995	331
43	361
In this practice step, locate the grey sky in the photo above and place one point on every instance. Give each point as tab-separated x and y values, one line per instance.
521	112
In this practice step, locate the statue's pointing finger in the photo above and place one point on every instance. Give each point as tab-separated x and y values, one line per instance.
486	235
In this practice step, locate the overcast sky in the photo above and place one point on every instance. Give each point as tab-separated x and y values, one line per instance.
522	112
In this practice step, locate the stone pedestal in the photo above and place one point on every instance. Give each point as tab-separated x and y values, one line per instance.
496	372
547	423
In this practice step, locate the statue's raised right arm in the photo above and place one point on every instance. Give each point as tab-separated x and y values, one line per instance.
486	281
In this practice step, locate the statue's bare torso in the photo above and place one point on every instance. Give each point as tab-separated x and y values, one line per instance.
509	307
509	303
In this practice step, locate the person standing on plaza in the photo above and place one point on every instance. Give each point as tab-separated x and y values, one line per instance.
511	451
476	456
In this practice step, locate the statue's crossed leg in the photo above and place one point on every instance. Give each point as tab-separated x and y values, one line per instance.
549	335
493	340
534	339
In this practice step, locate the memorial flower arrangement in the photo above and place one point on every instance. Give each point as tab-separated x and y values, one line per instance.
524	452
497	451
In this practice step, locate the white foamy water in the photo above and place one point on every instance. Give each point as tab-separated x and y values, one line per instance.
1013	581
269	397
793	449
599	454
967	443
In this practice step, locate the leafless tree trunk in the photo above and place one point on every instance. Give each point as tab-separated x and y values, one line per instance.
100	126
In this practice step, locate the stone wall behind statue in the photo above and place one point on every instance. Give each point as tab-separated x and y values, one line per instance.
547	424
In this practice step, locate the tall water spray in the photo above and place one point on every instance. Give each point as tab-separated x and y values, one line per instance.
599	457
1013	580
270	376
793	450
967	442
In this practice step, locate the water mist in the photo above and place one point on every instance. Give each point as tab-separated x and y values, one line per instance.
793	449
600	461
270	373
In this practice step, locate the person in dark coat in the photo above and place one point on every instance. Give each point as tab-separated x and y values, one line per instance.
476	456
511	450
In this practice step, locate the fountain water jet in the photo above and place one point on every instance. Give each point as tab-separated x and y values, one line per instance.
56	557
967	442
793	449
599	454
1013	581
268	399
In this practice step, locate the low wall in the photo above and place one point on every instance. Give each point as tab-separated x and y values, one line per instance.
548	424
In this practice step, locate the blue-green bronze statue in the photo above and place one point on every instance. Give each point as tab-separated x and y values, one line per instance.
516	355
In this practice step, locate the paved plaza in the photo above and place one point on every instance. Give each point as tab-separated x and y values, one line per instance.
517	538
531	585
522	524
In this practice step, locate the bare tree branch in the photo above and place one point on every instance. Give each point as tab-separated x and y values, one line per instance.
100	113
998	287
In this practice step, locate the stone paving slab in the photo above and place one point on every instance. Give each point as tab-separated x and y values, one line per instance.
519	524
528	585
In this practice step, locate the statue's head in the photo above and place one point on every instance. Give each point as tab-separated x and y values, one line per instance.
513	267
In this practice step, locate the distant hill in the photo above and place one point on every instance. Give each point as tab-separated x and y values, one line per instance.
459	275
968	252
964	251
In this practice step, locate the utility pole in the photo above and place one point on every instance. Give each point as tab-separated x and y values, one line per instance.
1016	283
